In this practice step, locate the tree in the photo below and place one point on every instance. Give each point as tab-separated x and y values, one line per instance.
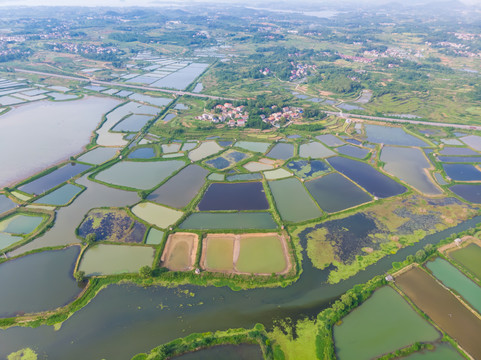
420	256
145	271
143	194
79	276
90	238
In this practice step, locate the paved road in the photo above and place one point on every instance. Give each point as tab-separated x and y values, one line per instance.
109	83
416	122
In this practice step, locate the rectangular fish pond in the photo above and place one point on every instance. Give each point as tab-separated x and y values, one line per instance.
61	196
293	201
218	254
462	172
234	196
262	254
369	178
139	175
254	146
239	220
306	169
157	215
281	151
179	190
54	178
443	308
103	259
333	192
21	224
469	257
98	155
180	251
204	150
390	135
456	280
315	150
382	324
468	192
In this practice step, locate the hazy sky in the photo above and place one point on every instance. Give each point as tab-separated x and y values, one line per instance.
152	2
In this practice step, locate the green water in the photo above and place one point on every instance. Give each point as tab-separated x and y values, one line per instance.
384	323
261	255
253	146
470	258
20	224
455	279
157	215
98	155
61	196
105	259
6	240
139	175
442	352
154	237
293	201
219	253
240	220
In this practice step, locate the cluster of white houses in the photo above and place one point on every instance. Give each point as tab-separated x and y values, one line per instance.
227	113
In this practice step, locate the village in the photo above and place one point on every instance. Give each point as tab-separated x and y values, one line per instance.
237	116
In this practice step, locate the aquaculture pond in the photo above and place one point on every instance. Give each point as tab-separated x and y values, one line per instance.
443	308
205	149
462	172
180	251
53	179
98	155
382	324
262	254
257	166
330	140
308	169
132	123
40	147
61	196
253	146
219	253
158	101
471	193
227	159
244	177
469	257
225	352
171	148
103	259
411	166
240	220
315	150
353	151
281	151
69	217
390	135
180	79
6	204
38	282
369	178
236	196
154	237
20	224
473	141
293	201
113	225
333	192
142	153
276	174
120	310
7	240
456	280
460	159
458	151
179	190
155	214
443	351
139	175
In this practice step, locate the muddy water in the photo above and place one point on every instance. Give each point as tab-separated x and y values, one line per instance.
443	308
